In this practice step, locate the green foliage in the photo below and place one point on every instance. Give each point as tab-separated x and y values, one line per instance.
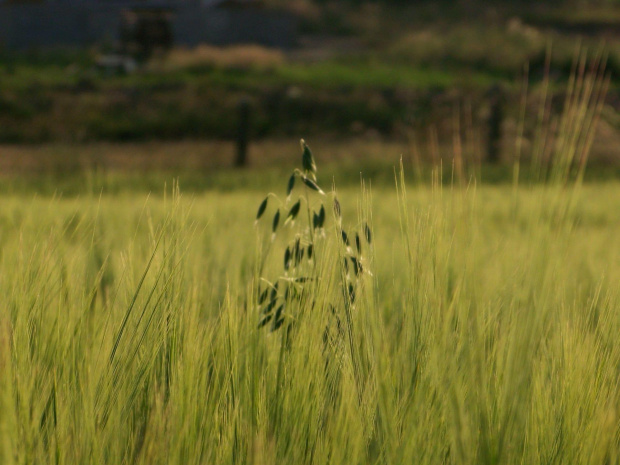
286	296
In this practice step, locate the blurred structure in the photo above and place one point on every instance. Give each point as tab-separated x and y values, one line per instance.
496	118
148	23
243	135
145	30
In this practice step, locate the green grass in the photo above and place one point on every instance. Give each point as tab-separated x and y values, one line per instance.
224	180
360	72
481	327
48	102
383	89
487	332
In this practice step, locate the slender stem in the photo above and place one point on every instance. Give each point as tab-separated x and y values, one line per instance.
310	226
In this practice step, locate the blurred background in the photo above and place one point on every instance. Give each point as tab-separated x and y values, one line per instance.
198	88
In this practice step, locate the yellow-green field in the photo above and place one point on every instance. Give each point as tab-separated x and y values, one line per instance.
484	328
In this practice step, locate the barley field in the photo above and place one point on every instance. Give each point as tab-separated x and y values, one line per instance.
455	324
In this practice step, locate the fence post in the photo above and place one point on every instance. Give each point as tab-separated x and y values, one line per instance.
496	117
243	135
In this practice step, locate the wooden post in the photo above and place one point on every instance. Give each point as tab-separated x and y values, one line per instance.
243	135
496	117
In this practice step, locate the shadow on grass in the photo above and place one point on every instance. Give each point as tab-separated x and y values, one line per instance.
376	174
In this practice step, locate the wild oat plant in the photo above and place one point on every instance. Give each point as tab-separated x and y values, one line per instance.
281	298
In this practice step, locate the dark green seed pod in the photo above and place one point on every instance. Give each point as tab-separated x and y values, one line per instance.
263	296
337	210
307	160
310	251
270	306
295	252
291	184
315	221
277	324
312	185
322	216
276	221
292	214
357	266
287	259
345	237
358	244
279	312
367	233
262	208
265	320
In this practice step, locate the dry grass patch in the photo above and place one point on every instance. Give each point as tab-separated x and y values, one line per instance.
232	57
